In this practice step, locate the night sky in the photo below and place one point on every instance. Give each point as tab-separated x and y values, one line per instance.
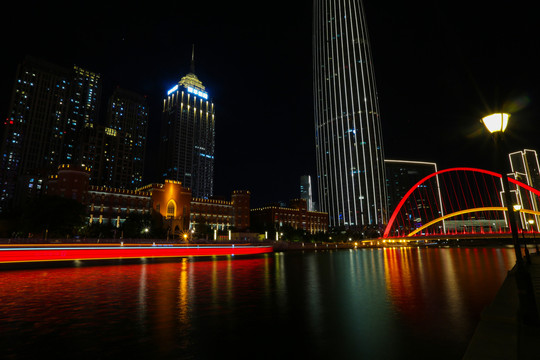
440	66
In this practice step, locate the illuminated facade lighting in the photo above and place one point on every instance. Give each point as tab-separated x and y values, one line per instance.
525	168
172	90
350	161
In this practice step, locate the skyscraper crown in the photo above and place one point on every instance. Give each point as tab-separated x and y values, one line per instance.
191	80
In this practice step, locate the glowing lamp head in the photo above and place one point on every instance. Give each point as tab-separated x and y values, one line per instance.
517	207
496	122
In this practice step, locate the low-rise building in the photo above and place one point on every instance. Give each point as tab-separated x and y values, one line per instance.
296	216
180	211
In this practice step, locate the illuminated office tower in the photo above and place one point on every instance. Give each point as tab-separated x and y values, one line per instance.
350	161
50	105
187	136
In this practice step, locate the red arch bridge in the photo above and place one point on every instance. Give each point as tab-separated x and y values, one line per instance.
466	202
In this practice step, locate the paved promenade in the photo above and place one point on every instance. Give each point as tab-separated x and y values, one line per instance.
499	334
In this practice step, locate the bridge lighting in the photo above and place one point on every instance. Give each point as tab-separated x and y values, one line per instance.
496	122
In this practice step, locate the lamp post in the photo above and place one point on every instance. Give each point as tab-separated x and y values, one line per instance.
531	222
517	208
496	124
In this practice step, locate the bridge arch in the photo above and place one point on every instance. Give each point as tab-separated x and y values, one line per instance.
456	169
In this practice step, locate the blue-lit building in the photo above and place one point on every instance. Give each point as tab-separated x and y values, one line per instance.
187	136
49	109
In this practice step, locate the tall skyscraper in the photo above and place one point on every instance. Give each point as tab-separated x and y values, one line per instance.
350	161
187	136
305	191
50	106
128	113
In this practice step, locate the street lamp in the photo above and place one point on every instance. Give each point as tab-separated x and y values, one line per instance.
496	124
517	208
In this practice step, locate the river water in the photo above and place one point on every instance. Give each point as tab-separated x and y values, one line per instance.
393	303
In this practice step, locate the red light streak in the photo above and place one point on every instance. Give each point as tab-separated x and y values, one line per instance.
49	253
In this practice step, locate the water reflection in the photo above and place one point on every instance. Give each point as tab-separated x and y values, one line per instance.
442	290
377	303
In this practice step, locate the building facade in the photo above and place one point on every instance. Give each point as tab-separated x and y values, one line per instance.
180	211
295	216
109	155
349	147
50	106
116	152
187	136
525	168
128	113
401	176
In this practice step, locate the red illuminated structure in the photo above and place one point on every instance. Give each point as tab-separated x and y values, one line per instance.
69	252
464	191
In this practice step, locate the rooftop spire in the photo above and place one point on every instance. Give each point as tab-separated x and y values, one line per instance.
192	67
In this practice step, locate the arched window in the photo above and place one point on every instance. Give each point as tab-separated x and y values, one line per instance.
171	209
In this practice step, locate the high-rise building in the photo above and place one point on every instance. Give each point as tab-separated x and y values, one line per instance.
50	106
401	176
187	136
305	191
109	154
525	168
350	161
83	115
128	114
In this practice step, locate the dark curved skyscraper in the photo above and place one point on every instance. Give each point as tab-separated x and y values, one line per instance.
350	162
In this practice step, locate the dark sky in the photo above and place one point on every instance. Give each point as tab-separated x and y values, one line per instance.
439	65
